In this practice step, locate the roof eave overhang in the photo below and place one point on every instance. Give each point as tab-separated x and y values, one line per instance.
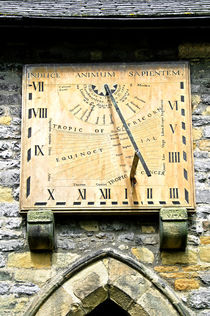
117	22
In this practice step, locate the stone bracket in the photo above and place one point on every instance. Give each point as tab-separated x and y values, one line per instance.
173	228
40	230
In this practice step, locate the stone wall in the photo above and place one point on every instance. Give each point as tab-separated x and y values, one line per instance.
22	273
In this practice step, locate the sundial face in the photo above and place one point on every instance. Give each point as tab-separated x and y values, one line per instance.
76	153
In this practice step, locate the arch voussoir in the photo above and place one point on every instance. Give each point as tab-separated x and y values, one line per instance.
107	275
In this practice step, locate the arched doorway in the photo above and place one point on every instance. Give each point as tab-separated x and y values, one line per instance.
100	278
109	308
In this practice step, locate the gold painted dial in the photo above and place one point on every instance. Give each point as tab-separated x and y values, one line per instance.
77	155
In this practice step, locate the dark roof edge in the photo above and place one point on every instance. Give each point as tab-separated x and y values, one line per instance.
108	21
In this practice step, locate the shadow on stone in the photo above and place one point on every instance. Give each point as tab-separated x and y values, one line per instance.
108	308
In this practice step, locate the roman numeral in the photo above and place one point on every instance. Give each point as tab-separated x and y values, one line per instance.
174	105
37	113
51	197
174	157
130	107
149	193
39	150
174	193
126	193
173	128
37	86
82	194
89	113
105	194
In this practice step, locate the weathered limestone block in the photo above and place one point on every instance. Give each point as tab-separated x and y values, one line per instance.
204	253
90	226
62	302
207	111
205	240
196	267
29	260
166	269
37	276
127	284
197	133
89	286
120	298
5	120
186	284
7	303
180	275
204	145
147	229
195	100
136	310
143	254
169	257
63	259
155	304
6	194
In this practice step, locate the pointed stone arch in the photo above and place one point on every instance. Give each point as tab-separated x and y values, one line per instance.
107	274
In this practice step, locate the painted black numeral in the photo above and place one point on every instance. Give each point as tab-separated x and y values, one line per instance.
126	193
149	193
105	194
39	150
82	194
51	197
174	105
174	157
37	113
173	128
174	193
37	86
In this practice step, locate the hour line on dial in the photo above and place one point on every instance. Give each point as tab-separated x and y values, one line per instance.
138	155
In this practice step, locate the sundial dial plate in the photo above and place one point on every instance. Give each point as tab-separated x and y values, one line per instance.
76	153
